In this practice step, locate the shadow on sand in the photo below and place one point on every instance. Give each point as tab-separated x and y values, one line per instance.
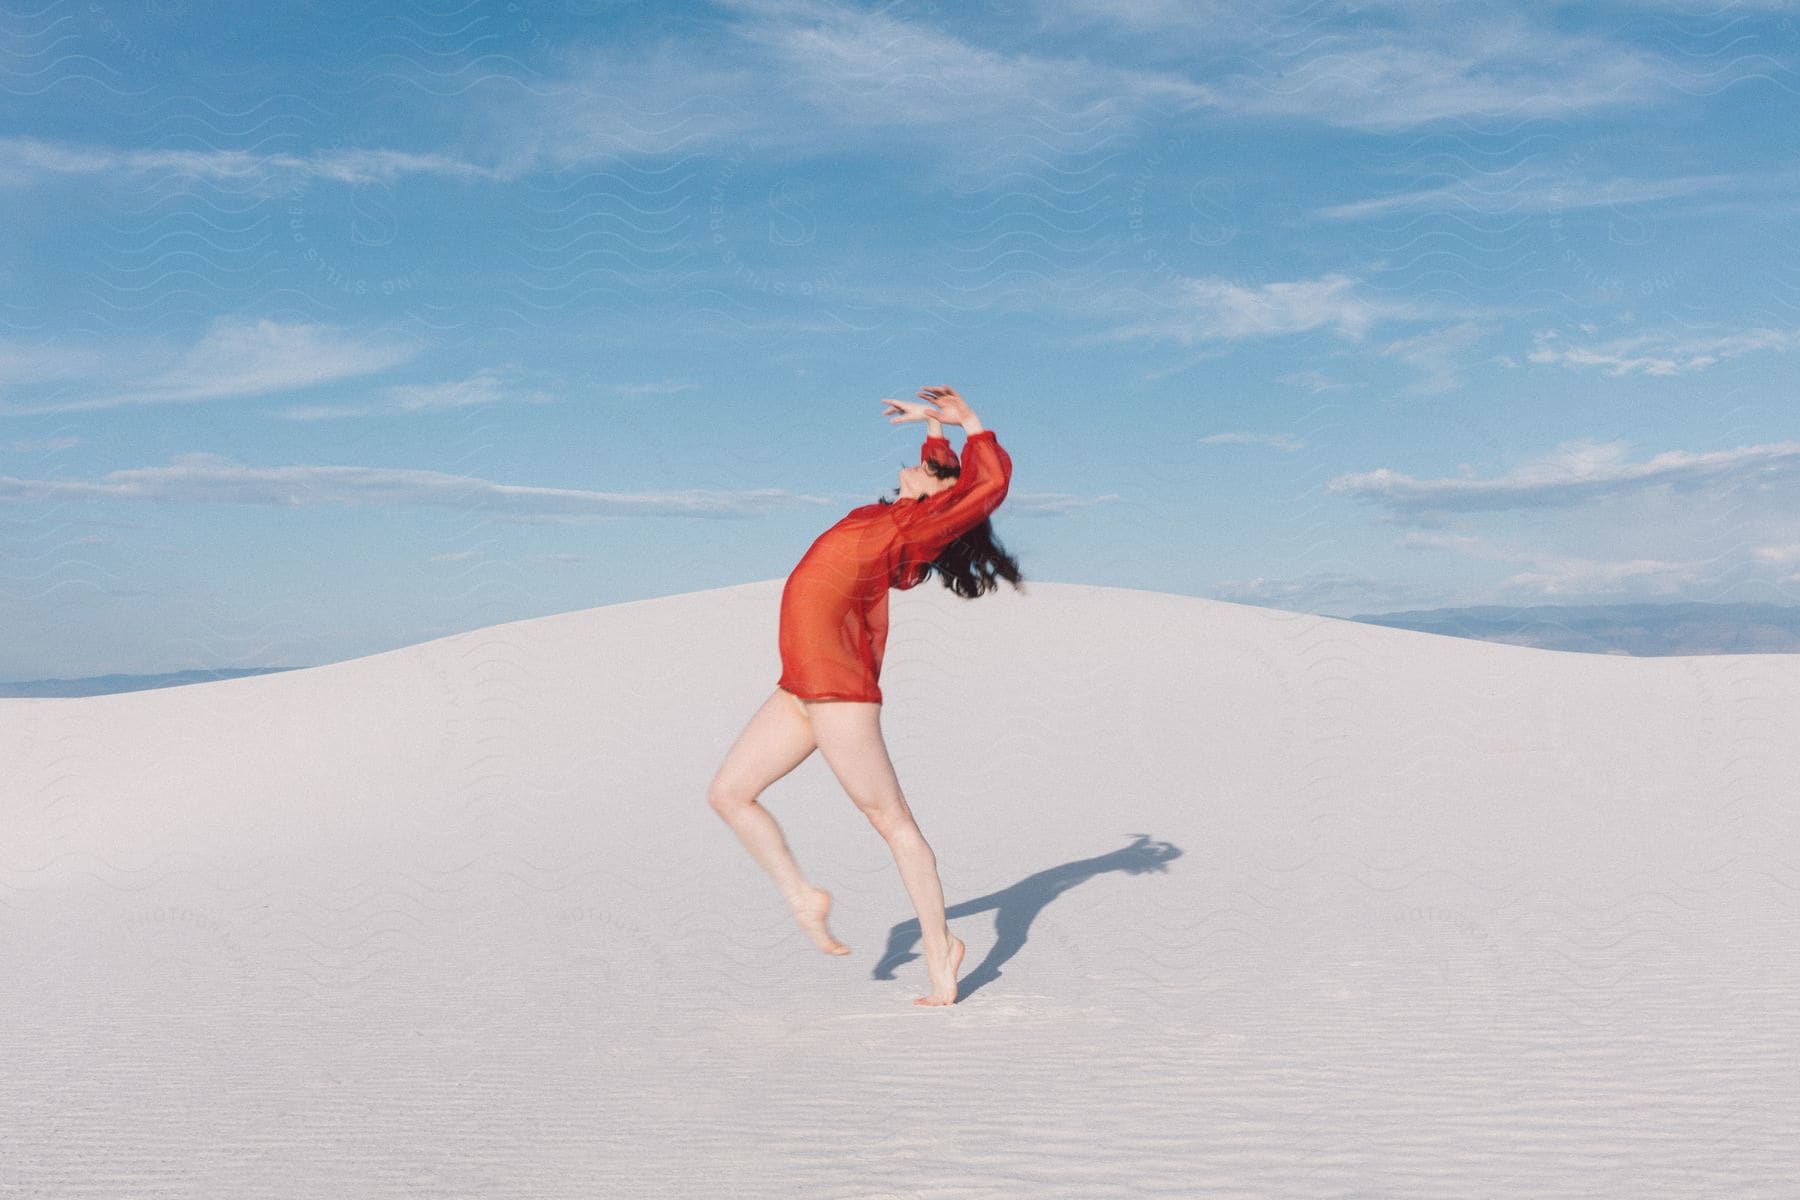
1016	907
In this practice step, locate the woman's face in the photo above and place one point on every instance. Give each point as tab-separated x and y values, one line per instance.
917	482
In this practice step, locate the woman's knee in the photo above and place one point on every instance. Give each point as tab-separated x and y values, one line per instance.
724	798
895	823
728	792
776	740
888	819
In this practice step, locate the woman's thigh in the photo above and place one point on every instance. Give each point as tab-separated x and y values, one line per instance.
848	733
776	740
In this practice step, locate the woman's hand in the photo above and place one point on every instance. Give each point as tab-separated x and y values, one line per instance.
909	410
952	408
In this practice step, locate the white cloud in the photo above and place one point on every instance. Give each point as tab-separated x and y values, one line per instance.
1311	380
1463	543
805	77
1587	519
234	357
207	478
1439	354
490	385
29	159
1581	576
1553	574
1280	441
1576	472
1221	309
1053	504
800	78
26	362
203	477
656	387
41	445
1659	353
1784	553
1403	64
1528	188
866	68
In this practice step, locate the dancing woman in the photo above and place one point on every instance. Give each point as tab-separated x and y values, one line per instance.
834	622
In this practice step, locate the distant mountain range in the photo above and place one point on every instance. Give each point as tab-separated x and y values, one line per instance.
1648	630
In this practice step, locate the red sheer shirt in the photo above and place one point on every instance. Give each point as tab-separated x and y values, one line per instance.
834	609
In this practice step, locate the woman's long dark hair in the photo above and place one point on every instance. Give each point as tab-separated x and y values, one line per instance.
970	565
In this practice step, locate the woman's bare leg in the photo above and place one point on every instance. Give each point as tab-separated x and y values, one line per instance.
848	734
777	739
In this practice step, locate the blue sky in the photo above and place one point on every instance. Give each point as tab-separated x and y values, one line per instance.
338	328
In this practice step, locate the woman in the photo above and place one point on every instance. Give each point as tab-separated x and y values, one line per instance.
834	619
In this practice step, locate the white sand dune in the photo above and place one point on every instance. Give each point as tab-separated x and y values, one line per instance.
1257	904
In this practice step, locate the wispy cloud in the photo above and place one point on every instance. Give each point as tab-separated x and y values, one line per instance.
1500	72
1140	16
1440	354
608	103
796	78
28	362
1389	67
801	78
1678	523
1548	573
234	357
1311	380
25	160
806	76
1566	576
1575	472
41	445
657	387
509	384
491	385
1053	504
1222	309
1659	353
1783	553
1528	188
1541	575
1281	441
871	69
1469	544
206	478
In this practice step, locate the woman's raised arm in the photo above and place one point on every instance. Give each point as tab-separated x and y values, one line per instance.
932	523
937	448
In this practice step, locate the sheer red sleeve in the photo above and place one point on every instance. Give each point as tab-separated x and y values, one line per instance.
928	525
937	449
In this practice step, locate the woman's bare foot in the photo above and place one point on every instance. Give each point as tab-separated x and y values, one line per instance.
810	910
943	976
